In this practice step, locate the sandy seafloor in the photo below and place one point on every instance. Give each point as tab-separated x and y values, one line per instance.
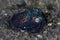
9	34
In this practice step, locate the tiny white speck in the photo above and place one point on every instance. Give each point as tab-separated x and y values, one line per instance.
46	11
5	14
58	23
49	24
22	30
40	36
